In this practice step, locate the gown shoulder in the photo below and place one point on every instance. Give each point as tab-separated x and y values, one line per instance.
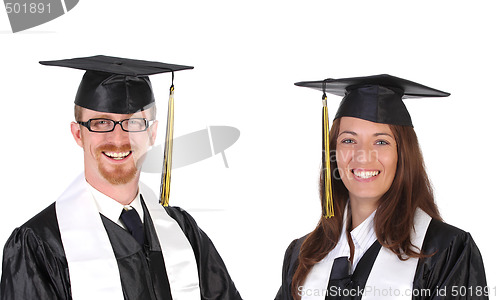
34	265
453	266
289	266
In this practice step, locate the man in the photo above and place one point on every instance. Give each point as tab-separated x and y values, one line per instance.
107	237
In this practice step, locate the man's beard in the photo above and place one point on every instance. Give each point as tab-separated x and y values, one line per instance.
118	174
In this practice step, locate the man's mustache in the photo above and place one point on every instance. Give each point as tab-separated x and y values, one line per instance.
114	148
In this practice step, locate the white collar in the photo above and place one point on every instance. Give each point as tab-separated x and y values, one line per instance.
363	236
111	208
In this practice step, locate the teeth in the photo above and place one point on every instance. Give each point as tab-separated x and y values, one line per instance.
366	174
117	155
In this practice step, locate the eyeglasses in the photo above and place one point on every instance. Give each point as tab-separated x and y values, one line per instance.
108	125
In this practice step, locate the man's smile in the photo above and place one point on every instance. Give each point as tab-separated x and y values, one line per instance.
117	155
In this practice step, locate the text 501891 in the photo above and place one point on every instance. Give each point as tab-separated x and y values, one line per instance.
477	291
27	8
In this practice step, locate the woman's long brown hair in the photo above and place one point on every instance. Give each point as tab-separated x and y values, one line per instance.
393	220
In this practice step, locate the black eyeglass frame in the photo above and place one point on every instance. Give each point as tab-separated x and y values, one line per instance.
87	124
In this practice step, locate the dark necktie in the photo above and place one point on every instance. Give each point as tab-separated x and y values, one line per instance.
340	269
351	286
133	223
340	285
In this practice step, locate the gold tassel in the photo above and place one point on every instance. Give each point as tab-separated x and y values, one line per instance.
167	158
327	178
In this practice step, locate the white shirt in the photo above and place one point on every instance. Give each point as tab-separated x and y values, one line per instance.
112	209
363	236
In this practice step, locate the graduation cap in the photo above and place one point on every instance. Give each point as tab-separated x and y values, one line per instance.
373	98
113	84
122	86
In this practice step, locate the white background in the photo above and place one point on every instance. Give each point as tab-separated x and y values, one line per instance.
247	55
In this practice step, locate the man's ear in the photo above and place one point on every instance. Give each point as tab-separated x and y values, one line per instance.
152	132
76	131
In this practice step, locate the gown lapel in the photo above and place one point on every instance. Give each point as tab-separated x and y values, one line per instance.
132	262
142	271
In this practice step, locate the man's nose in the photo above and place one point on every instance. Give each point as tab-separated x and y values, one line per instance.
119	136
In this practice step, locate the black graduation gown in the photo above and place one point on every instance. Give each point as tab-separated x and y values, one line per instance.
35	267
455	271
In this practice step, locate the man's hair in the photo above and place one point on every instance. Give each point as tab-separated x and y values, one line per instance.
78	112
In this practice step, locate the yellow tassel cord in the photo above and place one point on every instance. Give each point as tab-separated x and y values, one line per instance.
167	158
327	178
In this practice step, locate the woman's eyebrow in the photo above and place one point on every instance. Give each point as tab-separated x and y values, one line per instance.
383	133
375	134
348	132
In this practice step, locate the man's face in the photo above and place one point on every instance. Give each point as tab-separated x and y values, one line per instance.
114	157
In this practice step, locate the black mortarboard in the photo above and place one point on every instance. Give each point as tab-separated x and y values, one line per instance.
113	84
122	86
374	98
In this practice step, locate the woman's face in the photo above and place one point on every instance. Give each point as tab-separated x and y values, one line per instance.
366	157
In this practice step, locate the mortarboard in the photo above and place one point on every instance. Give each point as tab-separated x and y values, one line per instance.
122	86
375	98
113	84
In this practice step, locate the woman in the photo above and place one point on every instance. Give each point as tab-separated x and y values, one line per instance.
386	238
